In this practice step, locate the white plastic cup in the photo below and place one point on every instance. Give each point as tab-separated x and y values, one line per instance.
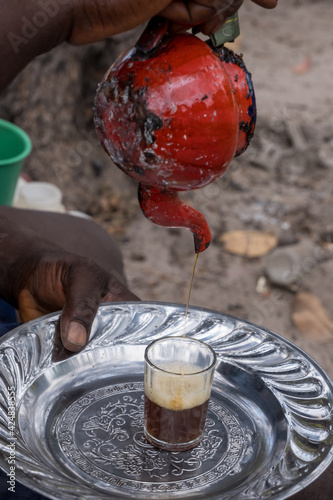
40	196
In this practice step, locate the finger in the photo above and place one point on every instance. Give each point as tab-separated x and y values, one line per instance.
212	25
76	320
179	28
206	28
117	292
28	308
209	17
85	290
94	21
267	4
188	13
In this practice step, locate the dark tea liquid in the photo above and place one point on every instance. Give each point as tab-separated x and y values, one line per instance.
175	426
176	403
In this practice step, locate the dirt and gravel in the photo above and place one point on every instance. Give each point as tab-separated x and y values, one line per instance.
282	185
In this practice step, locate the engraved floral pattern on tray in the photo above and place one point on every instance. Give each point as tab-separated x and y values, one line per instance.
114	441
304	391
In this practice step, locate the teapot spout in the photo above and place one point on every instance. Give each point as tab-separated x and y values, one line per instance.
164	208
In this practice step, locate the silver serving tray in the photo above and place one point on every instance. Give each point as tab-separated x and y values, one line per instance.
78	428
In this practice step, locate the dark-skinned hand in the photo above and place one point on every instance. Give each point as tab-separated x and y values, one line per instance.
81	22
38	277
61	281
95	20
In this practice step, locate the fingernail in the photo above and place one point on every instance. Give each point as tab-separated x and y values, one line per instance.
77	334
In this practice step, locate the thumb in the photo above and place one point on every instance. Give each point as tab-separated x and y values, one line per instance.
84	290
267	4
84	286
77	317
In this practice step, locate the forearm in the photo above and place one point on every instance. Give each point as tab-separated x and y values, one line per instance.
75	235
29	28
19	249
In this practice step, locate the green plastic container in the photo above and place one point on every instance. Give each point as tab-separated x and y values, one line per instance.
15	146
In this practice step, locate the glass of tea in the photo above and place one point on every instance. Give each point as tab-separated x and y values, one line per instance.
178	380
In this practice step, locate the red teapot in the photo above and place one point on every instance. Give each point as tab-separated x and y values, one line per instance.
172	112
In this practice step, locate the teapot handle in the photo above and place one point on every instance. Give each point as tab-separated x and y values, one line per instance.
152	35
157	27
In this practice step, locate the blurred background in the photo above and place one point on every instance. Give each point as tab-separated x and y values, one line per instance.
275	200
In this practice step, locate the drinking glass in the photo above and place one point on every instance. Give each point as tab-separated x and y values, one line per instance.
178	380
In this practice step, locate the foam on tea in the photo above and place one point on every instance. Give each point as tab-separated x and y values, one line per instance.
179	386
